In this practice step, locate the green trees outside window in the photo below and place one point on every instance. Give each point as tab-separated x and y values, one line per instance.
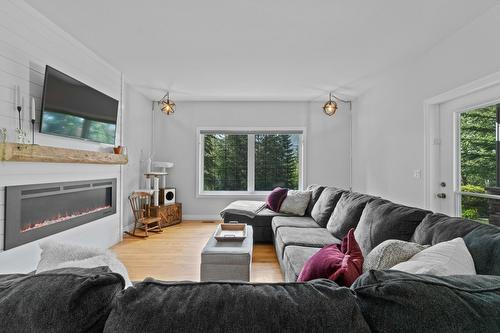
273	157
478	159
276	161
225	162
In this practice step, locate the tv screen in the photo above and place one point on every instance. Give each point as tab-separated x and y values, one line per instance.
71	108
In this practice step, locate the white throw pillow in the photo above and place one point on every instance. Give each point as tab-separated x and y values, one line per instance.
60	255
296	202
446	258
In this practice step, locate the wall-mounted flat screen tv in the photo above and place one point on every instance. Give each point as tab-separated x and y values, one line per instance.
71	108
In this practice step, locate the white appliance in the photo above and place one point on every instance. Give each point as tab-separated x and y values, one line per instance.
168	196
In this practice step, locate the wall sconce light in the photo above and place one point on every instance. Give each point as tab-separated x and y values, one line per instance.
331	106
167	105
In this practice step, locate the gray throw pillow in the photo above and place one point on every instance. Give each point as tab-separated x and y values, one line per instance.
325	205
316	191
347	213
390	253
382	220
296	202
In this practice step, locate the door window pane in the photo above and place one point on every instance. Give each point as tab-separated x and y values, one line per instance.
483	210
276	161
478	160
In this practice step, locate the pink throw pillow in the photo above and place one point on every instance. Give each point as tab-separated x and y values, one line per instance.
342	263
276	198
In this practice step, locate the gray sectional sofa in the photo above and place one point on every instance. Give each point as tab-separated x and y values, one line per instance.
332	212
93	300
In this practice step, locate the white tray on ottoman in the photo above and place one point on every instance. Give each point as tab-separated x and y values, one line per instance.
228	260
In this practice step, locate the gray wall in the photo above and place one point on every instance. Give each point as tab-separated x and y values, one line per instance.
137	129
388	120
327	143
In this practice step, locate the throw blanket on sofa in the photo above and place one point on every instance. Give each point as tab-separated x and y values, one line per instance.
243	207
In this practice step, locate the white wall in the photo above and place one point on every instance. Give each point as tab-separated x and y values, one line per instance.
28	42
137	129
327	143
388	120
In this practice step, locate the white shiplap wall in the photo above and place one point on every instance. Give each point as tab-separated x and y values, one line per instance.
28	42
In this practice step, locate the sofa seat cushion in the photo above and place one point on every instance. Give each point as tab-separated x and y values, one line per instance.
156	306
325	205
62	300
312	237
347	213
394	301
382	220
293	221
294	259
437	228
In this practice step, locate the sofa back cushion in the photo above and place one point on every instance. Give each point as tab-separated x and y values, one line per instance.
382	220
394	301
155	306
316	191
325	205
347	213
62	300
437	228
484	245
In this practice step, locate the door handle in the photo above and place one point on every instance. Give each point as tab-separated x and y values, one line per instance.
441	195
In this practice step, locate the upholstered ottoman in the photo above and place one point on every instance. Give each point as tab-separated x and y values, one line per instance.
227	261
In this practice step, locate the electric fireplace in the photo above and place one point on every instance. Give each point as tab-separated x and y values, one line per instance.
40	210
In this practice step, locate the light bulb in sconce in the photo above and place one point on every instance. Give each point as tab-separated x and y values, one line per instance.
167	105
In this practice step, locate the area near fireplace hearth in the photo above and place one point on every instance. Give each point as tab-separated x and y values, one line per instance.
30	43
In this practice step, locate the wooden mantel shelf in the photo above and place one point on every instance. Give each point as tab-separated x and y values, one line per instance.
15	152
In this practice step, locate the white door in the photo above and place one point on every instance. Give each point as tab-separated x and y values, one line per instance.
464	156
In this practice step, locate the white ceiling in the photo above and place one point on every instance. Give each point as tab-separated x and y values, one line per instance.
257	49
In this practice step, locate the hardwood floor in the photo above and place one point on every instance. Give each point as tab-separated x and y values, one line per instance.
174	255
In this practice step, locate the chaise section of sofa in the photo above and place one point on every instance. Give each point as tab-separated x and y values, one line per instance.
261	224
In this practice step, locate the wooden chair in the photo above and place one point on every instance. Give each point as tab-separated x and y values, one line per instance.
140	203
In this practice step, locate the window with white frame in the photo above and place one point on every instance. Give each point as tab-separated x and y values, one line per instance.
246	161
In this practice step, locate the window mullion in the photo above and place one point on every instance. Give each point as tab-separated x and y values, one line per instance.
201	162
251	163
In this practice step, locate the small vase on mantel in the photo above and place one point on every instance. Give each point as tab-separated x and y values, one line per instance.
21	136
3	135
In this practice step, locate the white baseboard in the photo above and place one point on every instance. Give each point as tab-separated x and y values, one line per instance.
208	217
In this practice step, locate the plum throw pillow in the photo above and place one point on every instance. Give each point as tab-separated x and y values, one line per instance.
276	198
342	263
